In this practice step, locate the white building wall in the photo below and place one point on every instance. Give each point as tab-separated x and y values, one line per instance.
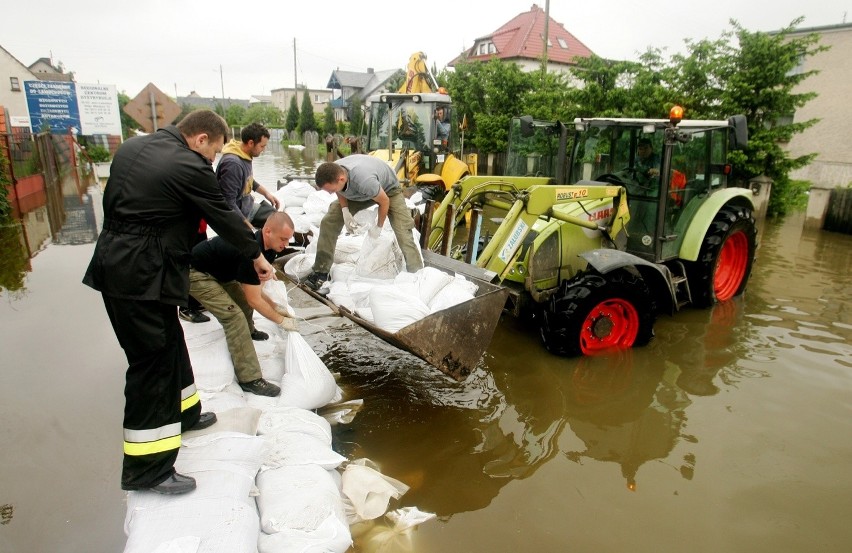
14	101
831	137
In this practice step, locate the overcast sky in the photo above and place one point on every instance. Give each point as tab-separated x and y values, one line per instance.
179	45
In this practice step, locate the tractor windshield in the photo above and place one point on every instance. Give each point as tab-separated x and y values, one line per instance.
407	125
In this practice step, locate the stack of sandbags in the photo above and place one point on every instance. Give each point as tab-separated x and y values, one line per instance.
218	517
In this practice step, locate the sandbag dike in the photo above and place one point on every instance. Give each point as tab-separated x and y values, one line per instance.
268	477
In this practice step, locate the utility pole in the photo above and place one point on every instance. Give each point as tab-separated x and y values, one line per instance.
222	81
295	78
546	37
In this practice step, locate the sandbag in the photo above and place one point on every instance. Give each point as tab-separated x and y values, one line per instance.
458	290
294	193
307	383
393	309
223	525
294	419
294	449
298	498
277	292
379	258
300	265
369	491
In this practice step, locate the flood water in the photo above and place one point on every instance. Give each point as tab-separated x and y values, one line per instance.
729	432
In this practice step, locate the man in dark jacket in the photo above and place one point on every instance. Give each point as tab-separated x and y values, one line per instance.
160	187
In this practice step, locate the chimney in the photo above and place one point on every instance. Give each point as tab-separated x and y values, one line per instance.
370	70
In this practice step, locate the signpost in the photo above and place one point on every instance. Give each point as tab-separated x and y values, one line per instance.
152	109
64	105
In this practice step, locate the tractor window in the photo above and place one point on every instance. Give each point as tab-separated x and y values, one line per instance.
688	180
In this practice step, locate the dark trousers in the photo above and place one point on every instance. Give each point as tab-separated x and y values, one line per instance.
160	397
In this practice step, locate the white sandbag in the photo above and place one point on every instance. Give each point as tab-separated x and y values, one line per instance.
294	419
359	291
348	247
426	282
211	365
365	313
315	232
297	498
332	536
317	203
242	419
277	292
294	449
458	290
338	294
186	544
405	518
238	452
379	258
301	223
367	218
340	272
294	193
308	383
393	309
369	491
300	265
200	334
273	368
227	399
224	525
342	412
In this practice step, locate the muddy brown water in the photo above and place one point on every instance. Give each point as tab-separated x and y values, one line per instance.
730	431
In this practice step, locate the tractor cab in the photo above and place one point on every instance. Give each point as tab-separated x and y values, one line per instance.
416	135
669	168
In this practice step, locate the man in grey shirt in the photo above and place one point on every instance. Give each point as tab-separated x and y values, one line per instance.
359	182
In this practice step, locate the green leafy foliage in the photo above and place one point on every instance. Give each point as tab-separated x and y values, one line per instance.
307	121
269	116
292	119
235	115
329	125
128	124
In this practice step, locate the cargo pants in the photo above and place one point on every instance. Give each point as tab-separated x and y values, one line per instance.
226	302
400	220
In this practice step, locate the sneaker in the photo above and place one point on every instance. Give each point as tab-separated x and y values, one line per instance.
192	315
261	387
315	280
259	335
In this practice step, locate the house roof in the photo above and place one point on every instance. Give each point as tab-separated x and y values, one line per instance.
521	38
348	79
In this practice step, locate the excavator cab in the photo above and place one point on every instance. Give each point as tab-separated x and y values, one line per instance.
416	134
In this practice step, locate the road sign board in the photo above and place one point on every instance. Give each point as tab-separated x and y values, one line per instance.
152	109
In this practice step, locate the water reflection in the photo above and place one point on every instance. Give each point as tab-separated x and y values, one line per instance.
65	212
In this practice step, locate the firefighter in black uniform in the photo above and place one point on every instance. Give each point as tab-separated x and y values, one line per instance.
160	187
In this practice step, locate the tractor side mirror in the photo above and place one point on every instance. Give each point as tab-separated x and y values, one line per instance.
738	140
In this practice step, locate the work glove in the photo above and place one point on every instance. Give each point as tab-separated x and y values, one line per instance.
349	221
375	231
288	324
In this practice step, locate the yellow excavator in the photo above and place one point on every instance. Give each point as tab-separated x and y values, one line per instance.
415	130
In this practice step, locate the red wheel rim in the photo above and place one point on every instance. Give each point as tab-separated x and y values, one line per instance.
731	266
613	323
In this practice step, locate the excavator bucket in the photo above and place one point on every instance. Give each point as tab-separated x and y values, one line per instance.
451	340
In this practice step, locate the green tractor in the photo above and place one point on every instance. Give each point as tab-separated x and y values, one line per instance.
648	224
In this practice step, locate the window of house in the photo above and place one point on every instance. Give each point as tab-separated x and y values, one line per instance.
15	83
562	43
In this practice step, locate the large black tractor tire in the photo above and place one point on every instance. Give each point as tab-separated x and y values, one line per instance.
725	259
594	312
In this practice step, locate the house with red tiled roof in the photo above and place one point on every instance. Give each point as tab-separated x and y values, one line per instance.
521	40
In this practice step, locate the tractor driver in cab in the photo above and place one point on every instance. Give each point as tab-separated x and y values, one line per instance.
647	165
442	124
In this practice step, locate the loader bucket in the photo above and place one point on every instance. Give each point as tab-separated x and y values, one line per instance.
451	340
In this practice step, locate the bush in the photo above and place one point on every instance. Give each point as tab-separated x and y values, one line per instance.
98	154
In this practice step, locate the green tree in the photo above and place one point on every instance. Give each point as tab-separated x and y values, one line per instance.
357	124
235	114
269	116
307	121
329	125
128	124
490	94
761	85
292	120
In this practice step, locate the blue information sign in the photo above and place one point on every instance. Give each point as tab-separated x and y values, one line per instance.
52	105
